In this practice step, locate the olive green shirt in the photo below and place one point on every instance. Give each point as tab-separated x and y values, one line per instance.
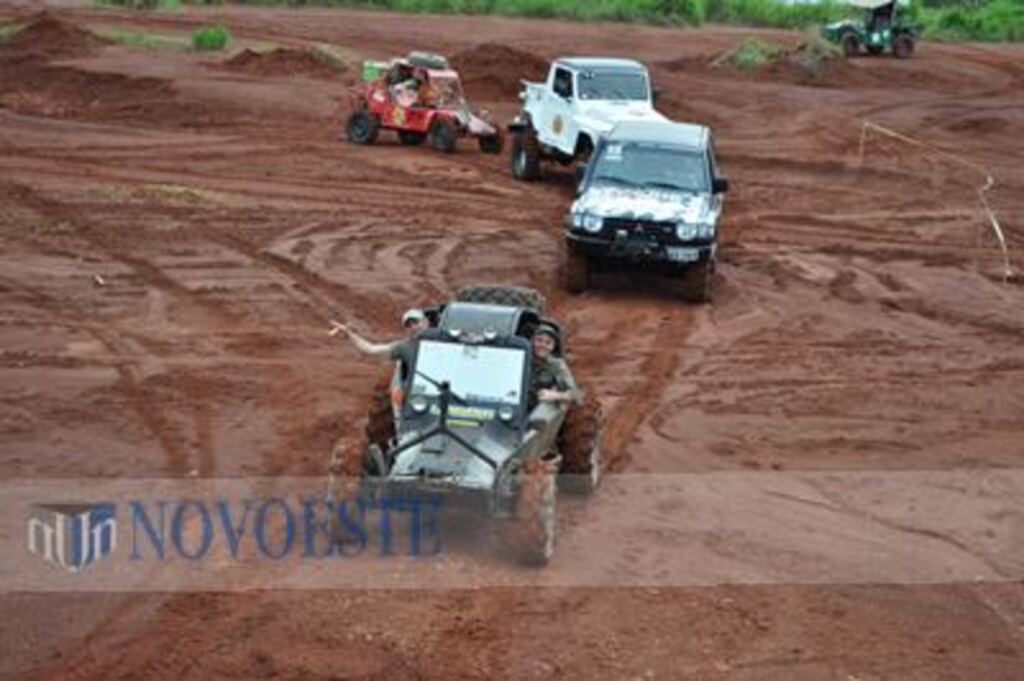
552	374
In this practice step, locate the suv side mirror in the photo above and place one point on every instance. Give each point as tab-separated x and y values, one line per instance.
719	185
579	173
655	94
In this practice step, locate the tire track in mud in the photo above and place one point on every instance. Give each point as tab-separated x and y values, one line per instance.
637	403
129	372
318	295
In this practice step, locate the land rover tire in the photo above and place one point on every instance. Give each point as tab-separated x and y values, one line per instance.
525	157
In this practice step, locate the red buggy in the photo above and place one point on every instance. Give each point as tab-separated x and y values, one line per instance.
419	97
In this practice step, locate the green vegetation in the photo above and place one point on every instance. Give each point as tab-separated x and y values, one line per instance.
753	54
943	19
210	38
8	29
144	39
814	54
995	20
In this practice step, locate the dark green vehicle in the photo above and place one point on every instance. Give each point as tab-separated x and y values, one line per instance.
885	25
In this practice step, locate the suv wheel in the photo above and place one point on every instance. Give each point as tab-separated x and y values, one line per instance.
362	127
442	135
577	271
525	156
695	284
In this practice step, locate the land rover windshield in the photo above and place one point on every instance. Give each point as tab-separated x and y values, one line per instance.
613	85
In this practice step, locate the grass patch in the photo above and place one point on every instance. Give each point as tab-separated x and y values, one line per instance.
144	39
210	38
173	192
8	29
752	54
328	56
814	54
161	5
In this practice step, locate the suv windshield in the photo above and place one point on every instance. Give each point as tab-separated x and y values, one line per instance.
618	85
635	164
477	373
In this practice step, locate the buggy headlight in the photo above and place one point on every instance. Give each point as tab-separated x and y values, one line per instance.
418	403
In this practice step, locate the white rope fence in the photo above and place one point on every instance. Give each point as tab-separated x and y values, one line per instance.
982	190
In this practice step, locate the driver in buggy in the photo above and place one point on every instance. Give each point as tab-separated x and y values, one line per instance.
404	83
550	378
880	18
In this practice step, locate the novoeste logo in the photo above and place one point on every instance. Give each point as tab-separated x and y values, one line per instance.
72	536
315	527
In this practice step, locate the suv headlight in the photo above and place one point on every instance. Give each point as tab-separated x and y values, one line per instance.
588	222
686	231
706	230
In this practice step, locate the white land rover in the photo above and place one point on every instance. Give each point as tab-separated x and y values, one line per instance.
581	100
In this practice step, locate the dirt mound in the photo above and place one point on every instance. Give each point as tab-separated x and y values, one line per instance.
801	64
47	36
283	61
30	86
494	71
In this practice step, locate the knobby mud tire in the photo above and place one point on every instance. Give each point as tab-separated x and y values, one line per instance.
512	296
580	444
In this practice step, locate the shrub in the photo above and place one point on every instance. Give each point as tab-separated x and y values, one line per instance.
814	53
753	54
210	38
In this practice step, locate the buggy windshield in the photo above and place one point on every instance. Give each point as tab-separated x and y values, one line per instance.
647	165
477	373
446	92
613	85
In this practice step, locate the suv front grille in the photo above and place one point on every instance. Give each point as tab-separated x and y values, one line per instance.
662	231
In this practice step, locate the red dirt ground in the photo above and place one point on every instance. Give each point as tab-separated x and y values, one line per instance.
860	324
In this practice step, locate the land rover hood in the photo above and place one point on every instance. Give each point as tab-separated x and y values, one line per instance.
601	117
